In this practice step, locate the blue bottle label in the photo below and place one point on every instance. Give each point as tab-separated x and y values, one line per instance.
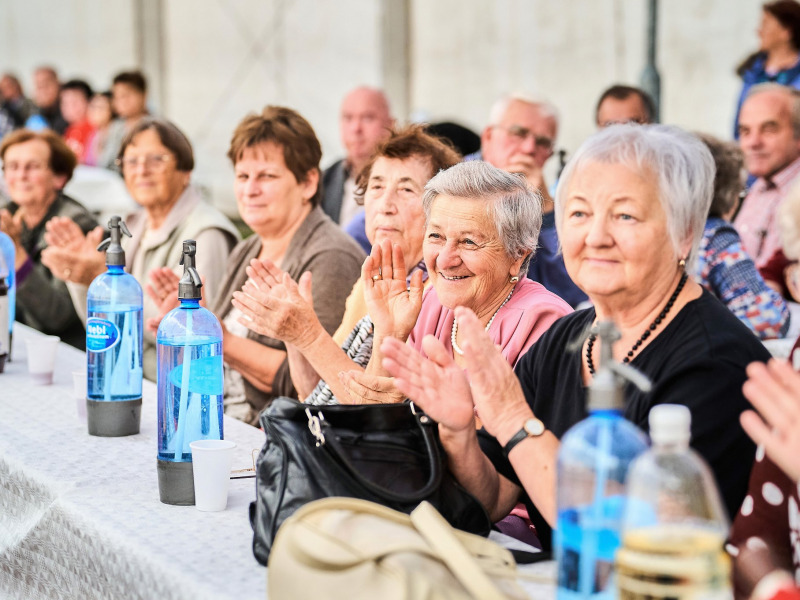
204	376
101	335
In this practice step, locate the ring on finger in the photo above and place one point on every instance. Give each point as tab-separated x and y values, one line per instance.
376	278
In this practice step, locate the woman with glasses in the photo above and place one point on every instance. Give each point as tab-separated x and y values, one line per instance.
275	156
156	161
37	166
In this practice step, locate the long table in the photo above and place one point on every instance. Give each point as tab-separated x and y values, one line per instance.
80	515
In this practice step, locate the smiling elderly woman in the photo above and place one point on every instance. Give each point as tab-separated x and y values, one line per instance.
630	209
37	165
481	229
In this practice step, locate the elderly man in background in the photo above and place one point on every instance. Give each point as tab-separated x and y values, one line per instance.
769	135
365	121
46	90
520	139
624	104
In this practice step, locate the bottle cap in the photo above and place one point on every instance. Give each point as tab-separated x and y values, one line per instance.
670	424
190	283
115	255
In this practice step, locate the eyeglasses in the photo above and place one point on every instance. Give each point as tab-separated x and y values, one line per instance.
154	162
520	134
14	167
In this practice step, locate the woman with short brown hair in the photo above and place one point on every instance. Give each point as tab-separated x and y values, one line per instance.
37	166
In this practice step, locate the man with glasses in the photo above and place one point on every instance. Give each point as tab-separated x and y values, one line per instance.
520	138
624	104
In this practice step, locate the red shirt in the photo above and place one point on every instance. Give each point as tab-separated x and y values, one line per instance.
78	137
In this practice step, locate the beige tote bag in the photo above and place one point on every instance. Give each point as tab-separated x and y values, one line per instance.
355	549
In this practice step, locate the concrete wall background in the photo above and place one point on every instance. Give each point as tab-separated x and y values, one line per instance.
213	61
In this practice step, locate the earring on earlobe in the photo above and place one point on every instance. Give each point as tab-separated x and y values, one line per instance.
682	264
514	279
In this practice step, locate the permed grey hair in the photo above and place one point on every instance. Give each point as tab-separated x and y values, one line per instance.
515	210
791	93
681	163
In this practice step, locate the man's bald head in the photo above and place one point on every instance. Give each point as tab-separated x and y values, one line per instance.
365	120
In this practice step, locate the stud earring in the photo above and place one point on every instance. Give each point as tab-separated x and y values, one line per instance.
514	279
682	263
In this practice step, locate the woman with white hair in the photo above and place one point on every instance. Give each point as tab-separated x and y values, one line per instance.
481	228
630	210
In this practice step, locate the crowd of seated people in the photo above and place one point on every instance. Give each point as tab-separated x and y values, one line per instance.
405	270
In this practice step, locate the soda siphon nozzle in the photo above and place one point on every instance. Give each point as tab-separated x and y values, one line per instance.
190	283
607	389
112	245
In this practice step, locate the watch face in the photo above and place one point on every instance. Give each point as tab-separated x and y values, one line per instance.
534	427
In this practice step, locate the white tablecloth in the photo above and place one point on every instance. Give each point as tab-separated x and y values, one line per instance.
80	515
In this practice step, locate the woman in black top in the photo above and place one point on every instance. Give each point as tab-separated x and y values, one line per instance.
630	209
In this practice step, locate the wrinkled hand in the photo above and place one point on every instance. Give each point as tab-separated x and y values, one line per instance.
437	384
273	304
369	389
393	306
498	397
774	389
70	255
162	288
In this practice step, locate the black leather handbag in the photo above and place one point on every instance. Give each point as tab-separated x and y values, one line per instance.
385	453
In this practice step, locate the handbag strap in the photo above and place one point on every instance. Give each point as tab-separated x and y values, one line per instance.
439	535
328	442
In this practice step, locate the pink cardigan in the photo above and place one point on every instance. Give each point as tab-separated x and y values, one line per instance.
526	316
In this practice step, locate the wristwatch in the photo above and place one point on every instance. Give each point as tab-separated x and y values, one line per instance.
533	427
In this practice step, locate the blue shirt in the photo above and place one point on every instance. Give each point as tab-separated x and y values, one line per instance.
547	265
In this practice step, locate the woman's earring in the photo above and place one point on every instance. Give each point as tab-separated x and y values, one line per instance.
682	264
514	279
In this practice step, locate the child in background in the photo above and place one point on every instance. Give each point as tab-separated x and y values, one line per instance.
100	116
75	96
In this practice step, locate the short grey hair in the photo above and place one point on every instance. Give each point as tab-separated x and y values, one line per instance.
681	163
792	94
511	205
500	106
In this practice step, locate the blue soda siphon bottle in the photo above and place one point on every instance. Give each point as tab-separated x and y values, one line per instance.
190	384
9	256
593	461
5	342
114	344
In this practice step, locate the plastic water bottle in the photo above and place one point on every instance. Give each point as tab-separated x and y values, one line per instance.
190	384
114	344
9	255
674	525
593	460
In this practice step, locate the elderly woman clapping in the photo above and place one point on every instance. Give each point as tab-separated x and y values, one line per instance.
37	166
156	160
391	187
481	227
630	209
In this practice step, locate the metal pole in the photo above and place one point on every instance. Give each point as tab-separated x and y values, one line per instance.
651	80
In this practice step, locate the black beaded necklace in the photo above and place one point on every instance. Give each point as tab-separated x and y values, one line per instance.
661	316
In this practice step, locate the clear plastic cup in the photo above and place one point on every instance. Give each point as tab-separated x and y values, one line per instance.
211	468
42	351
79	392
